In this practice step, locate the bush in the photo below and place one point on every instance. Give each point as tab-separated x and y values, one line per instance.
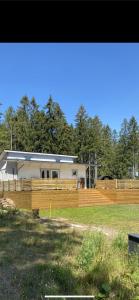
8	213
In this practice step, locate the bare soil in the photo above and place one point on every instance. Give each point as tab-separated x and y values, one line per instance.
62	222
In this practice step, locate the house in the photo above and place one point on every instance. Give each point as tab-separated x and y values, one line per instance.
26	165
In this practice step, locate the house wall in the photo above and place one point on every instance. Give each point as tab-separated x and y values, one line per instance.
7	169
32	170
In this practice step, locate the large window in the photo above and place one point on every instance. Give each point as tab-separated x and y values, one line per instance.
45	173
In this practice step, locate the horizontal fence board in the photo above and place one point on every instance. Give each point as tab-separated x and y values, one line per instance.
43	199
57	199
21	199
104	184
39	184
117	184
65	199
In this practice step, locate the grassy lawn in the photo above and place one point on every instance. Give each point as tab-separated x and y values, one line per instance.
38	258
120	217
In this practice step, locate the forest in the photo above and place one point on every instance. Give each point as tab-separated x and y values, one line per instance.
31	128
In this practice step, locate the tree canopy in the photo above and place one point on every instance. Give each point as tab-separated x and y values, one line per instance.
31	128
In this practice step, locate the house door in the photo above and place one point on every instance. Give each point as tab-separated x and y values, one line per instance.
45	173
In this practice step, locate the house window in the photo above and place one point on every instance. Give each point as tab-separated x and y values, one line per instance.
42	174
55	174
74	173
45	173
48	174
13	172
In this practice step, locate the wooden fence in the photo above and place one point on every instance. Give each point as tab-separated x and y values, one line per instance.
105	184
62	193
72	198
43	199
117	184
37	184
40	193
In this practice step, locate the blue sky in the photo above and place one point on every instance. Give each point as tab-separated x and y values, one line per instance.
104	77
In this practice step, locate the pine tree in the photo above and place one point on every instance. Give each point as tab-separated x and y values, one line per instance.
122	161
37	122
23	128
10	123
4	134
133	144
81	133
107	154
57	129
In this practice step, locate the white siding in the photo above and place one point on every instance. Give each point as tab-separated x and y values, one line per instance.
6	171
32	170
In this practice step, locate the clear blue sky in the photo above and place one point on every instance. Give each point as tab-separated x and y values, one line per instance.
102	77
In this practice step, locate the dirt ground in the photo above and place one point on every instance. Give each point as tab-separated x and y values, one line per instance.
61	222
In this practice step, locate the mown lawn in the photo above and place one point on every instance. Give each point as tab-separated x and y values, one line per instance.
120	217
37	258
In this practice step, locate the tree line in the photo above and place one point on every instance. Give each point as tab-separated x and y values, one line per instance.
30	128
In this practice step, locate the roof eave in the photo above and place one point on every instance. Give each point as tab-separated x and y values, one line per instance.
38	153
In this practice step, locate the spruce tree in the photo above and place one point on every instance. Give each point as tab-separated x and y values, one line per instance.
122	161
107	154
23	128
81	133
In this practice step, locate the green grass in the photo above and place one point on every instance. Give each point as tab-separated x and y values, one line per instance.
38	259
120	217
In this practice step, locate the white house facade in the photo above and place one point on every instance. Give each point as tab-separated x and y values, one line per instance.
27	165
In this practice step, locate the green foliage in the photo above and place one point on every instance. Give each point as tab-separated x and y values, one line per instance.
29	128
120	242
92	244
8	213
81	133
127	149
42	259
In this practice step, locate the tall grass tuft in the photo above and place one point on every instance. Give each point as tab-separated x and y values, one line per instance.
107	266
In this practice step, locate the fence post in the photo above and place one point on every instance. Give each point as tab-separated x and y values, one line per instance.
14	184
50	214
116	183
8	186
21	184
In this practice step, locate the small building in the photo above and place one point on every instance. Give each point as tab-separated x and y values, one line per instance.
27	165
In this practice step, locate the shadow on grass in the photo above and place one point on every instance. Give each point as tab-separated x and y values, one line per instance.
37	259
32	256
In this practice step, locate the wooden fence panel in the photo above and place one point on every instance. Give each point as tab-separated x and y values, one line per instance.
57	199
38	184
122	196
44	184
127	184
106	184
74	198
117	184
21	199
43	199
